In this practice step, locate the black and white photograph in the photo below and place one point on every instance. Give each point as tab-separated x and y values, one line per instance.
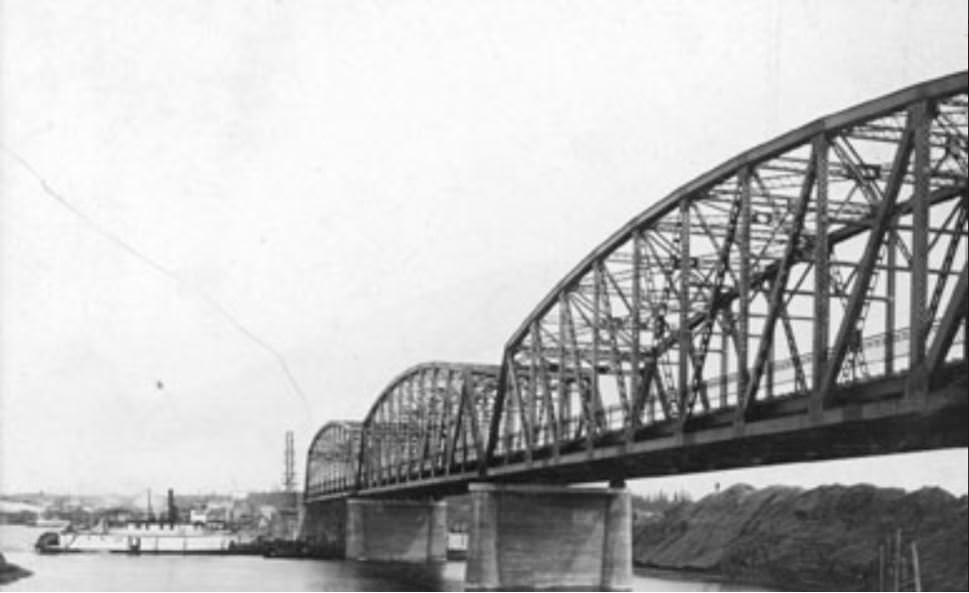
457	295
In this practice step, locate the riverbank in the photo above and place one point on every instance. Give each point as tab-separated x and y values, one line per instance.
819	539
708	577
11	572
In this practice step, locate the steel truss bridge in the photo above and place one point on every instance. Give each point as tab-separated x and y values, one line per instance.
804	300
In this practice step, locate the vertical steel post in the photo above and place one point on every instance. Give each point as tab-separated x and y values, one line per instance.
513	410
821	278
565	414
918	325
596	312
636	379
403	430
383	429
413	425
428	382
743	302
684	304
891	246
450	425
358	480
724	367
769	378
532	392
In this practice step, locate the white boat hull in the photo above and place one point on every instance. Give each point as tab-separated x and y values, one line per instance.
155	540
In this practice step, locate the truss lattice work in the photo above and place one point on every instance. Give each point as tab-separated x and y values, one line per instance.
830	255
812	274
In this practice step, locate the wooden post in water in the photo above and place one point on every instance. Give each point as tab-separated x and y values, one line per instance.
902	569
881	568
916	575
898	561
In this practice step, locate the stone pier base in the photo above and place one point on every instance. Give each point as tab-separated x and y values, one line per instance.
386	530
526	537
324	527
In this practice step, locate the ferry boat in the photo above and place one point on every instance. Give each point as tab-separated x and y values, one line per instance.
141	538
145	537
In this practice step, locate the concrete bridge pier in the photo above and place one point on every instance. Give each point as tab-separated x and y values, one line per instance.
324	526
395	530
528	537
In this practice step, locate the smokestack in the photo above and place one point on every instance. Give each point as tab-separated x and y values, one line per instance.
289	470
172	509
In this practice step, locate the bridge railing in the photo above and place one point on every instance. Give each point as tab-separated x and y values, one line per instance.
408	469
330	485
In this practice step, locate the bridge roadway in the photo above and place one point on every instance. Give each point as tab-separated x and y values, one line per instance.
804	300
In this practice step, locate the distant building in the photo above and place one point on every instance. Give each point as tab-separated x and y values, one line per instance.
197	516
19	513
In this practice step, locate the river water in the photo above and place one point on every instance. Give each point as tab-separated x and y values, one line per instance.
118	572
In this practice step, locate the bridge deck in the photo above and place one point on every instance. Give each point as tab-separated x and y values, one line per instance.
875	419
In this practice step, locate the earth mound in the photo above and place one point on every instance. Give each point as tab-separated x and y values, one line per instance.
823	538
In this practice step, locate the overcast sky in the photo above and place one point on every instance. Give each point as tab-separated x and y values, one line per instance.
361	187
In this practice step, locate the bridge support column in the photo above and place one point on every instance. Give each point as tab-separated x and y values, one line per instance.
388	530
324	527
549	537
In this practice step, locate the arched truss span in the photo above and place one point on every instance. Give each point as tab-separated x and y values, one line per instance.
331	461
431	420
831	256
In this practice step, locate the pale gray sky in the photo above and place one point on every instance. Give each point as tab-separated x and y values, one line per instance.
364	186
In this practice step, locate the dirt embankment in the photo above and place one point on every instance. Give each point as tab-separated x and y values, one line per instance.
823	538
